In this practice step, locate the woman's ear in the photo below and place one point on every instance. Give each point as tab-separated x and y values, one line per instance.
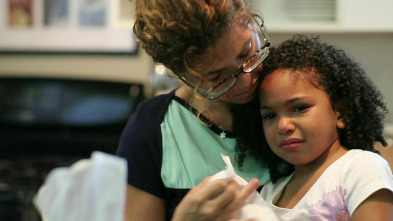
340	121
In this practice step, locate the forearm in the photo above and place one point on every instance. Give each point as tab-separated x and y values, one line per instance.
142	206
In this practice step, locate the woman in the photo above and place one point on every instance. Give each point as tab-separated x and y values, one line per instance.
173	141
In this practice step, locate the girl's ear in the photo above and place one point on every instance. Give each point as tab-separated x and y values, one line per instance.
340	122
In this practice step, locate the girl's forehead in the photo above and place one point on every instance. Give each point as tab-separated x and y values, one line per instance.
280	89
283	79
308	74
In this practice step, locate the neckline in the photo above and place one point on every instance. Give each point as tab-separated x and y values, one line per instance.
213	127
286	180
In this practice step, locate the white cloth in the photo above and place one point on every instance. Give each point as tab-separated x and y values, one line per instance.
255	207
339	191
91	189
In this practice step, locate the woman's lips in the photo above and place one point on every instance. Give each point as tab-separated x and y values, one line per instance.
290	143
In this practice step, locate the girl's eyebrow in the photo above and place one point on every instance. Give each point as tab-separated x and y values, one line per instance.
264	107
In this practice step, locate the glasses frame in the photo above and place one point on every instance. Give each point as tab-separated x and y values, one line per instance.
205	94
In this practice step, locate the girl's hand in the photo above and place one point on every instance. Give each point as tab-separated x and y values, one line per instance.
216	200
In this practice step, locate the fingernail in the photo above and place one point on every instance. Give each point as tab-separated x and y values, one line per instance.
231	181
255	182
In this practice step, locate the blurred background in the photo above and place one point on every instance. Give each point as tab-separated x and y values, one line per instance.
71	73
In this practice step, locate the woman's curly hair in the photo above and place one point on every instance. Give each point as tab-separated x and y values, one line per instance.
350	90
174	32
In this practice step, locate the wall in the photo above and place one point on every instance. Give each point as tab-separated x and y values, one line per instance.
113	68
100	67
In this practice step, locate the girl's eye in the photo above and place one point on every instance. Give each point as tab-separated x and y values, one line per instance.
301	108
268	116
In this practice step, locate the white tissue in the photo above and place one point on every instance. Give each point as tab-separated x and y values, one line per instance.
90	190
255	206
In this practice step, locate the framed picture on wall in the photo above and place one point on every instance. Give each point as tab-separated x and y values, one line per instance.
67	26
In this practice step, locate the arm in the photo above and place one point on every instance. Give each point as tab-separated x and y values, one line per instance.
378	206
216	200
140	145
142	206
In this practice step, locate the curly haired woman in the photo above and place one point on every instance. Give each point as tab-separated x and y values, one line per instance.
173	141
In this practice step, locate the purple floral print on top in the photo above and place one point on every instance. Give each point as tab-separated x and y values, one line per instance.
330	207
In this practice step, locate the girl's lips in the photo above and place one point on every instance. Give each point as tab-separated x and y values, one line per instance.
290	143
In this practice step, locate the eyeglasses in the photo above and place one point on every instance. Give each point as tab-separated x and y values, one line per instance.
248	66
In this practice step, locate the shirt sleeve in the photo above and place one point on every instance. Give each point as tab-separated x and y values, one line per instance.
367	174
141	145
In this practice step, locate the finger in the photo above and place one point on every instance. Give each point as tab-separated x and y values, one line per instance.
202	184
242	196
196	201
222	200
214	208
206	191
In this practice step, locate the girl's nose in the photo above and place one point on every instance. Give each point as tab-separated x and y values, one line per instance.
285	125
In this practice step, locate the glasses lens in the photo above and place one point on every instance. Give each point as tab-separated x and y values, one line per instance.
256	60
218	91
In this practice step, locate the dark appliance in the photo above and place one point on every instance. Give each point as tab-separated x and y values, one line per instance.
51	122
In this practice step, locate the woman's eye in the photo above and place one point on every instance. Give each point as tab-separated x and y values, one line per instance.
301	108
215	78
246	55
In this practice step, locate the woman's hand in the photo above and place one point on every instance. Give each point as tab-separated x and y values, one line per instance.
216	200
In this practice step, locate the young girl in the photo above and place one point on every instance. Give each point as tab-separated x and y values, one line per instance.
322	114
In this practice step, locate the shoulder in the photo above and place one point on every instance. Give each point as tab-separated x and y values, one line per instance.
365	161
360	167
150	112
156	106
142	131
362	174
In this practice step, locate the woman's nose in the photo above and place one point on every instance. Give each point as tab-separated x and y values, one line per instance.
285	125
246	78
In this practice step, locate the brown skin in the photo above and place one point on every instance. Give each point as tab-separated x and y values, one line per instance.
221	61
140	204
378	206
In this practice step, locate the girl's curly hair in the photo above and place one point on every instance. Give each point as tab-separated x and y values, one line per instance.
350	90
